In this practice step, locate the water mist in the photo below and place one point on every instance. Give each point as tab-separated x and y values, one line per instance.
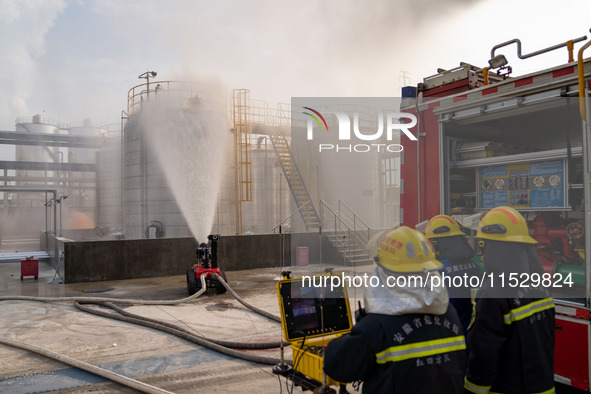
191	139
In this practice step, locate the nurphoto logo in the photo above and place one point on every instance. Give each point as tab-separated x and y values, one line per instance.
391	122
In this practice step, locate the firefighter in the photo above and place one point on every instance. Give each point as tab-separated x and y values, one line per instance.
410	340
454	252
511	339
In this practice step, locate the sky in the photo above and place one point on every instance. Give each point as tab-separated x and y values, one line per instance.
71	60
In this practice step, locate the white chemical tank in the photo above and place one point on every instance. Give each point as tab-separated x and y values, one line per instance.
43	154
270	192
83	155
147	196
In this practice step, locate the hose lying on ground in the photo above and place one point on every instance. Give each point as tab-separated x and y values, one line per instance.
106	299
124	380
206	342
230	344
147	302
246	304
189	337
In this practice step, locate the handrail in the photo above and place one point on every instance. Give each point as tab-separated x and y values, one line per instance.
301	181
535	53
355	218
186	90
353	233
347	246
290	216
341	220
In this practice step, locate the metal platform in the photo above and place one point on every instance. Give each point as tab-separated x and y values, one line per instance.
12	257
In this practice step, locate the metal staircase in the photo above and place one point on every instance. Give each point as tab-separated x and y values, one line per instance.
347	232
250	115
300	182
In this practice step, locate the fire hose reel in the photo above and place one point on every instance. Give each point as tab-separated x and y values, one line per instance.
575	230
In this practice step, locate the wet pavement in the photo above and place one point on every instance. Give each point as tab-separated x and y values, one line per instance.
145	354
150	356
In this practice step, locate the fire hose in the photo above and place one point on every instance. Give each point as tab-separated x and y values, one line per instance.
230	344
199	340
124	380
107	299
246	304
223	347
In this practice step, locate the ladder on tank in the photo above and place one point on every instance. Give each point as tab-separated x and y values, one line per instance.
306	200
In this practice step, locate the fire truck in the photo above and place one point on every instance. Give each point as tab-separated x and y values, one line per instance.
486	139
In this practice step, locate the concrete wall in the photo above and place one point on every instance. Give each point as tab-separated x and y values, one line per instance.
254	251
90	261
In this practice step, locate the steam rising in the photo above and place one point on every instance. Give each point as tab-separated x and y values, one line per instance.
191	139
77	59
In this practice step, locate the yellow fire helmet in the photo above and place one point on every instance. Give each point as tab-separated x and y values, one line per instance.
504	224
442	226
406	250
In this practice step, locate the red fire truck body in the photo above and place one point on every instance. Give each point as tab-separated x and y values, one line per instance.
487	140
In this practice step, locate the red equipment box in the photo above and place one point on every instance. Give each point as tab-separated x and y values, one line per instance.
30	267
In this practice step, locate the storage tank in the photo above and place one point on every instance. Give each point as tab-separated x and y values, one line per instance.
270	192
109	203
29	153
81	206
173	174
82	155
147	196
25	214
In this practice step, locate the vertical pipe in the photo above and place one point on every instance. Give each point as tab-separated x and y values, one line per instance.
586	166
46	223
587	193
418	160
570	45
55	250
122	173
61	228
143	186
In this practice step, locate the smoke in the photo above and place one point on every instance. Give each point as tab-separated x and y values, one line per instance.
23	27
191	140
78	59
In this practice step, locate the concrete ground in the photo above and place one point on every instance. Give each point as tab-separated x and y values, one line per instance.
147	355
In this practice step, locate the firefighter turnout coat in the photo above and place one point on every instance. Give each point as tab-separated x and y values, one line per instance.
511	340
416	353
410	341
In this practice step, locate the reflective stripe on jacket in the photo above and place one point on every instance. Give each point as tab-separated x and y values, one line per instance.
511	344
412	353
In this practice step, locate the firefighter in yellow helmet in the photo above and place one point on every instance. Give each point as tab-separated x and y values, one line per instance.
454	252
410	339
511	338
